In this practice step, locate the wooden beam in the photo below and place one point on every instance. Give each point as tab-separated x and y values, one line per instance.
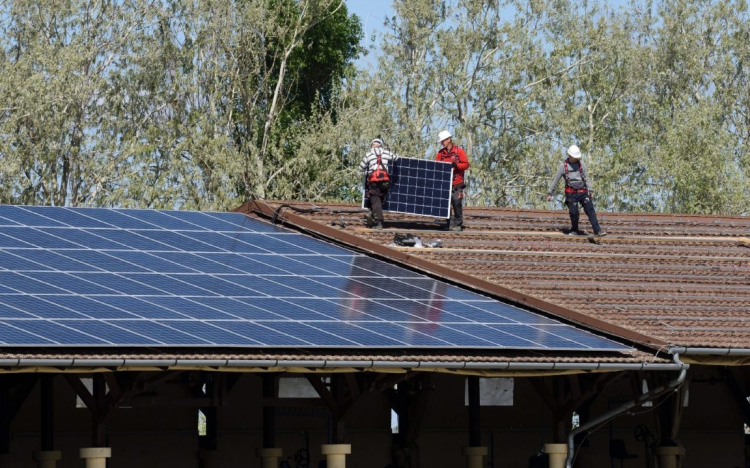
145	381
20	392
270	392
115	391
740	395
385	382
354	388
293	402
324	393
83	393
601	382
575	387
145	401
47	418
544	391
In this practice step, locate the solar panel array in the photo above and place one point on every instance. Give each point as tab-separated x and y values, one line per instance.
418	187
84	277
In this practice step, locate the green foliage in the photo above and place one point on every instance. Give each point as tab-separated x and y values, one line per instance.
655	95
204	103
176	103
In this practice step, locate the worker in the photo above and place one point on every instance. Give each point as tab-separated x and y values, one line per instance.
457	157
377	181
577	190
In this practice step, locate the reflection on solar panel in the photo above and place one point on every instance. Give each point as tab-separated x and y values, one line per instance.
103	277
418	187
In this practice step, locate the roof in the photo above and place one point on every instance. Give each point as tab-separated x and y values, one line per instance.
85	289
656	279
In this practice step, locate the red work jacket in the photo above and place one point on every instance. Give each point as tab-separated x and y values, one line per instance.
458	156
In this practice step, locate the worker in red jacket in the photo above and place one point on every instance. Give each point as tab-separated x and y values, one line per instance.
457	157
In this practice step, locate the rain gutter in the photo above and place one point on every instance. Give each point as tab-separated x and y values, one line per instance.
337	364
613	413
687	351
507	294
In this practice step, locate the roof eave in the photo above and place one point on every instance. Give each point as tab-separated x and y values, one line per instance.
489	369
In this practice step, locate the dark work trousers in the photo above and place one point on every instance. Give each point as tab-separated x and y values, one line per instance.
377	191
457	203
572	200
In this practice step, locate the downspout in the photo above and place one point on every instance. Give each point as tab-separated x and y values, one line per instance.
613	413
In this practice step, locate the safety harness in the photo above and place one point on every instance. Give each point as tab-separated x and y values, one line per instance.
568	188
379	174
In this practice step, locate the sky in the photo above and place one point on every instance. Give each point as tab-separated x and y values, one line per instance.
373	14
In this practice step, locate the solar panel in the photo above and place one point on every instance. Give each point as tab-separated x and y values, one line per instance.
418	187
87	277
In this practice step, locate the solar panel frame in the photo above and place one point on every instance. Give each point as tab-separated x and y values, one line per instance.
169	280
418	187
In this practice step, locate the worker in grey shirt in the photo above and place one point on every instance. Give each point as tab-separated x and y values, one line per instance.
577	190
377	180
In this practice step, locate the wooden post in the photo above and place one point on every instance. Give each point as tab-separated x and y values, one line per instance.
47	417
475	430
270	390
5	410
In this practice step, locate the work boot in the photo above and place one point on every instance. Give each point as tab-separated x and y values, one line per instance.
377	226
457	228
600	234
576	233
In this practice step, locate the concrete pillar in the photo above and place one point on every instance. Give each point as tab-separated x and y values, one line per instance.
668	456
475	456
8	461
557	454
209	458
47	458
269	457
96	457
336	454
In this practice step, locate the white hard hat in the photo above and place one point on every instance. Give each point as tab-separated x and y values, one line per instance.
444	135
376	140
574	152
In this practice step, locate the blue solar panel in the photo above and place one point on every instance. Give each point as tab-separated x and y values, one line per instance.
16	215
199	308
419	187
110	218
76	277
36	307
63	216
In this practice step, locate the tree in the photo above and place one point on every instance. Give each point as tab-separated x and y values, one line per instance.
168	104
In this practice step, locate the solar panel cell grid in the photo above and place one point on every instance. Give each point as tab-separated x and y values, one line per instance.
418	186
95	277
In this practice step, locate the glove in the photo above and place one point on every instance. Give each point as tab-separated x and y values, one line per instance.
454	165
378	151
549	197
591	194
